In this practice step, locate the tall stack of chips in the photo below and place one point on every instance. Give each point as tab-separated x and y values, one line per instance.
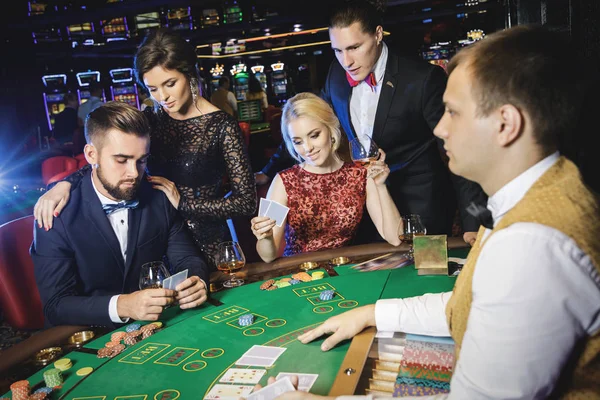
53	377
246	319
326	295
317	275
20	390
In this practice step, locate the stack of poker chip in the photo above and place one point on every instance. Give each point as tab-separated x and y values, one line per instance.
317	275
148	330
302	276
84	371
20	390
38	396
63	364
46	390
132	327
246	320
267	284
294	281
326	295
53	377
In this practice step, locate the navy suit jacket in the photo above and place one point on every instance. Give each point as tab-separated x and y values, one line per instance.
79	265
410	106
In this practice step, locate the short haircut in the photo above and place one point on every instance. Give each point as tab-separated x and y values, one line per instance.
223	80
369	13
115	115
530	68
310	106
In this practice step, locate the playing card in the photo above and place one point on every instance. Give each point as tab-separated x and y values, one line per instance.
261	356
229	392
273	390
277	212
239	375
305	381
263	206
176	279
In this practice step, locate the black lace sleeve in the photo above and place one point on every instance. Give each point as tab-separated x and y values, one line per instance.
242	199
74	178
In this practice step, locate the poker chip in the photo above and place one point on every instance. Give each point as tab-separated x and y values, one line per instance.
130	340
267	284
20	390
317	275
38	396
294	281
148	327
132	327
326	295
44	389
273	287
118	349
302	276
136	333
63	364
281	284
105	352
158	324
111	344
84	371
117	336
246	319
285	279
147	334
53	377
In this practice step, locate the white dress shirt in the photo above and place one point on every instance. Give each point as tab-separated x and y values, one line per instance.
119	220
535	295
363	101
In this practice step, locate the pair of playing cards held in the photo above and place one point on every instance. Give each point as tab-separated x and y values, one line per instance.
172	281
273	210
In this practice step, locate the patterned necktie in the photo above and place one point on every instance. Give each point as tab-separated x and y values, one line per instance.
482	214
370	80
111	208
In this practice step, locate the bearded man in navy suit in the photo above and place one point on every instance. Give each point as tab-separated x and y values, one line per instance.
88	267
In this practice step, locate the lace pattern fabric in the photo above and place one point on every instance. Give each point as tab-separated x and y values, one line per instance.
325	209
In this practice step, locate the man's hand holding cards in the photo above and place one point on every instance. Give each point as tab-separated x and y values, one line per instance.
191	292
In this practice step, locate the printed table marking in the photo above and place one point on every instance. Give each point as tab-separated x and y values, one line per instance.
174	357
313	289
316	301
149	349
225	315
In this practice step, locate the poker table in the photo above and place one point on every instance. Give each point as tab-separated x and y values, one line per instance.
193	350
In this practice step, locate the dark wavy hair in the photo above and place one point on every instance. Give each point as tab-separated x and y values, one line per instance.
166	49
368	12
254	85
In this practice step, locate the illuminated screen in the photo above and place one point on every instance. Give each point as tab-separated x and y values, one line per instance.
147	20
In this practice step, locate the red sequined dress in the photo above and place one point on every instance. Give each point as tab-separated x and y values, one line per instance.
325	209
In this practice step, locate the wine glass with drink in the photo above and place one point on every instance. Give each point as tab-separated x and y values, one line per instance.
153	274
363	150
230	258
411	226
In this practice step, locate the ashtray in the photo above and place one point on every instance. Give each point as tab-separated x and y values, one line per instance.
339	261
307	266
46	356
79	338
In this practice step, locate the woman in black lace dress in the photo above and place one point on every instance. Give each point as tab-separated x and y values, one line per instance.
195	146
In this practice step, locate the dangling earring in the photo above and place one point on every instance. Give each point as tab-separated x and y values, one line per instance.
157	107
195	93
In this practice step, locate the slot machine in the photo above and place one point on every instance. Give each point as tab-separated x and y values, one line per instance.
215	74
123	87
279	83
259	72
180	19
438	54
84	79
240	81
55	88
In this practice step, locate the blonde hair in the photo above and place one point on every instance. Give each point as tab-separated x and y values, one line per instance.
311	106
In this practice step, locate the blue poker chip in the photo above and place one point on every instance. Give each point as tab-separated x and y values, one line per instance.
326	295
294	281
133	327
45	389
246	319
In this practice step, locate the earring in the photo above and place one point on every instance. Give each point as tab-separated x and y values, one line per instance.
332	140
194	89
157	108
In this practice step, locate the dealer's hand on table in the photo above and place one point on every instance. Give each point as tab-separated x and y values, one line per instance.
343	326
262	227
145	305
191	292
51	204
470	237
378	170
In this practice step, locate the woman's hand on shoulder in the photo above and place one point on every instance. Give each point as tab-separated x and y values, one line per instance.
167	187
378	170
51	204
262	227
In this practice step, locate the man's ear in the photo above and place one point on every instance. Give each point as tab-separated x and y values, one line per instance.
379	34
91	154
510	124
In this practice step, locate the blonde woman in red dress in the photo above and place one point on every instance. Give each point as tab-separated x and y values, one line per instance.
326	196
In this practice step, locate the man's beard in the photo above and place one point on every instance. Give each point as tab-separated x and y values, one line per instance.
116	191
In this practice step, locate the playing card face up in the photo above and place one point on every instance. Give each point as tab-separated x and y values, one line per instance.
229	392
273	390
240	375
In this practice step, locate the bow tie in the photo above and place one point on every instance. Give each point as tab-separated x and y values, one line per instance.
482	214
111	208
370	80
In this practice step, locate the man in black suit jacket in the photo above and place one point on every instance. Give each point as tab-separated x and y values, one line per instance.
88	267
398	108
